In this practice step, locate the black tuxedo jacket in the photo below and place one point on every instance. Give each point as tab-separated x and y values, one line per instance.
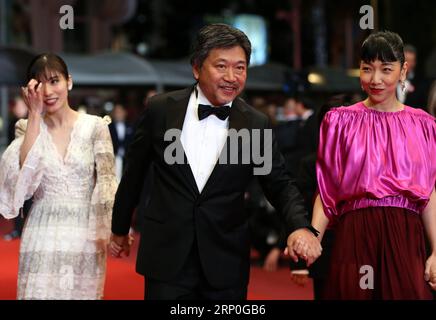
178	215
117	143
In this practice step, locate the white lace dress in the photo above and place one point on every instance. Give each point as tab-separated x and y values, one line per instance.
63	245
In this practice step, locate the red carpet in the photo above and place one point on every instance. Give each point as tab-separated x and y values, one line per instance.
123	283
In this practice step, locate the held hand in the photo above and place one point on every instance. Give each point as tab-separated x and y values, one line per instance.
120	244
272	260
302	243
430	271
33	96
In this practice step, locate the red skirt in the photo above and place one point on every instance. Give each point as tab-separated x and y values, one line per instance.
379	253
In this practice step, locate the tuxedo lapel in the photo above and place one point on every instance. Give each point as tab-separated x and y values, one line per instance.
178	103
238	120
174	120
239	116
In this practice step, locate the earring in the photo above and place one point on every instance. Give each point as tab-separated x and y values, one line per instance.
403	86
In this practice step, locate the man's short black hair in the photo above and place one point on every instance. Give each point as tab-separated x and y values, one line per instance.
305	101
218	35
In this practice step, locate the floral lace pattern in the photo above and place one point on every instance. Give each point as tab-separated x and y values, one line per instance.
63	245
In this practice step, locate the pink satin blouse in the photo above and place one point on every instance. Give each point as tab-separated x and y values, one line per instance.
370	158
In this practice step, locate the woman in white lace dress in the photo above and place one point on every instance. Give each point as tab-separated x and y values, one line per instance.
64	160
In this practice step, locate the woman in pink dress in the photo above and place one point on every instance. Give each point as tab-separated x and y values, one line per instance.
376	173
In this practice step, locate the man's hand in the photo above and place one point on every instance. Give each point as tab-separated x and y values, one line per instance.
120	244
303	243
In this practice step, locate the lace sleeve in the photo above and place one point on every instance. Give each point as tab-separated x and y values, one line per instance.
18	185
102	200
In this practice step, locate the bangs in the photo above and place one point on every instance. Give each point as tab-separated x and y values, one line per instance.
378	49
45	67
45	74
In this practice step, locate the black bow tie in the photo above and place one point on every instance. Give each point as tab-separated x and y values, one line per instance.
205	111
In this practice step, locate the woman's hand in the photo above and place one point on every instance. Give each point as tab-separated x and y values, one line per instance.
300	279
33	97
430	271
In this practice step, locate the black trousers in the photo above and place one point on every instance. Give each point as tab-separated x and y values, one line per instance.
191	284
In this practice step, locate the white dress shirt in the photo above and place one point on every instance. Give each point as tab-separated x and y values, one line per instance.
306	115
202	140
121	130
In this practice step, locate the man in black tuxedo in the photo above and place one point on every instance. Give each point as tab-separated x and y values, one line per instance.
195	238
306	135
121	133
414	90
286	132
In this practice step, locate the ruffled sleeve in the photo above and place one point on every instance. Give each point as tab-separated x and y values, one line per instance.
102	201
329	162
19	184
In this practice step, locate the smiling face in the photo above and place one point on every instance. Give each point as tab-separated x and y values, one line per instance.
223	74
380	79
55	90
